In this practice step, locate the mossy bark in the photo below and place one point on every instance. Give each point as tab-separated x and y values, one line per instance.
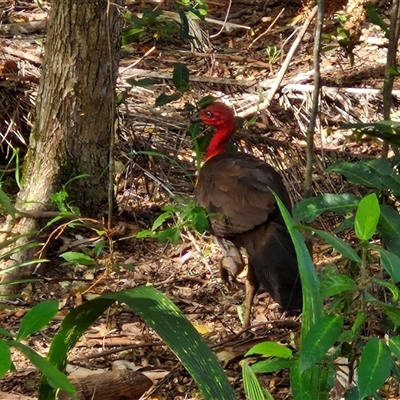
74	115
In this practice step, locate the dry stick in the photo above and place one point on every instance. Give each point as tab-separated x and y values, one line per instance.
281	74
315	101
390	63
225	21
268	29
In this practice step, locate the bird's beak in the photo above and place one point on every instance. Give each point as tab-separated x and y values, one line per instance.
195	118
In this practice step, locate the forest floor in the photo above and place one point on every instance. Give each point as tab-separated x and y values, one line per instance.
233	65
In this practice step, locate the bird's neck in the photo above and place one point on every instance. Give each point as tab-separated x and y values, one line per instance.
220	139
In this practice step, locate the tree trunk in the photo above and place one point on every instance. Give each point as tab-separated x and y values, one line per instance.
74	117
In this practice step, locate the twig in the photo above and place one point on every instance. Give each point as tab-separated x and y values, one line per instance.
225	21
268	29
138	60
315	104
390	63
335	90
281	74
23	54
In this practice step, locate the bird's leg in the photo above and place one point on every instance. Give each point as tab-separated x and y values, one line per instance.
252	285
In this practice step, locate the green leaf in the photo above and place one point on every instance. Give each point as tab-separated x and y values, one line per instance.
390	286
356	173
390	262
348	223
6	203
172	235
161	219
374	368
389	228
312	302
200	220
377	20
268	349
381	166
394	345
392	312
181	337
319	339
300	383
180	77
164	99
205	101
336	284
74	257
367	217
36	318
4	332
56	378
272	365
252	388
340	245
309	209
145	82
131	35
5	357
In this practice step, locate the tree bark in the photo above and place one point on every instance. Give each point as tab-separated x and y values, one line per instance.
74	117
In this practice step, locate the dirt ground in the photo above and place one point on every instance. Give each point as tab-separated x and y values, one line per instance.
233	65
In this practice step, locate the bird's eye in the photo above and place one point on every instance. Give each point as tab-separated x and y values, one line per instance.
208	114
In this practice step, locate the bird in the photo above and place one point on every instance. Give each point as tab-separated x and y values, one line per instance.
234	189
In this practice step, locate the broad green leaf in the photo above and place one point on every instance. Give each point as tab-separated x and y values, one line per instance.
360	319
381	166
268	349
300	383
390	262
358	174
162	316
164	99
160	220
4	332
272	365
389	228
367	217
5	357
348	223
392	312
309	209
200	220
205	101
131	35
145	82
36	318
376	19
55	378
172	235
6	203
312	302
340	245
392	183
319	339
390	286
374	368
394	345
180	77
75	257
252	388
336	284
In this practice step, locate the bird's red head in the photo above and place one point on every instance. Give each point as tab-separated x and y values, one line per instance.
222	117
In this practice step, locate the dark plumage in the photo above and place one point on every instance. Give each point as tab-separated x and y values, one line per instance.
234	189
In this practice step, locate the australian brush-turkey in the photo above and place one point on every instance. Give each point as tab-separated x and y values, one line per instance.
234	190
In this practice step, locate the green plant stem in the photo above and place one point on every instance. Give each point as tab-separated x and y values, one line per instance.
363	274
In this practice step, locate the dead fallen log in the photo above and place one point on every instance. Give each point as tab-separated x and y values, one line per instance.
110	385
